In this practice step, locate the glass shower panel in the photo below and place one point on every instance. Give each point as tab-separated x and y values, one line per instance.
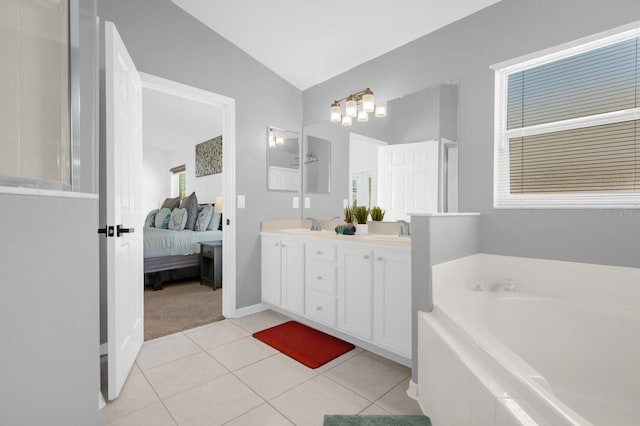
34	82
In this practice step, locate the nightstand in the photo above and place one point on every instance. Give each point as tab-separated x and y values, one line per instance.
211	263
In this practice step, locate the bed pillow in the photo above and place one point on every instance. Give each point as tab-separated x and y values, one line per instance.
150	221
214	225
171	203
191	204
162	218
178	219
204	218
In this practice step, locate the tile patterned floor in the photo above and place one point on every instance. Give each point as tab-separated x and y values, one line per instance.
219	375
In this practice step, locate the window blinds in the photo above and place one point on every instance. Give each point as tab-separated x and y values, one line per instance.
568	130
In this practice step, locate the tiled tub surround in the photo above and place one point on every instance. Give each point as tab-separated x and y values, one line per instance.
560	349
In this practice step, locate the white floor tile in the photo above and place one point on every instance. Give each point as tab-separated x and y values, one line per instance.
274	375
261	320
213	403
307	404
264	415
136	394
165	349
183	374
396	401
153	415
342	358
368	376
217	334
374	410
241	353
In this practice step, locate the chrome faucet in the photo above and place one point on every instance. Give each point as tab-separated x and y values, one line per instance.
405	228
315	224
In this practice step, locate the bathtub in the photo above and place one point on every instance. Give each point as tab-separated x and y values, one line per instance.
546	353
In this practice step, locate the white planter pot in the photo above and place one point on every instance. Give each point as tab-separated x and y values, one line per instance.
362	229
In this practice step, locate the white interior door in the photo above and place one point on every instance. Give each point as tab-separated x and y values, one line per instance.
125	328
408	179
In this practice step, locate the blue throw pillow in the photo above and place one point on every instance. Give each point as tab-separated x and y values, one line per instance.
162	218
150	221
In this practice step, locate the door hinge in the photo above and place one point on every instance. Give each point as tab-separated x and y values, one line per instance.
228	222
107	230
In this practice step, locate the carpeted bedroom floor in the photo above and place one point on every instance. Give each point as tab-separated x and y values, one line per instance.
180	306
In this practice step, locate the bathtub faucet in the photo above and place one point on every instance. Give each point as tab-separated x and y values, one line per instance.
506	285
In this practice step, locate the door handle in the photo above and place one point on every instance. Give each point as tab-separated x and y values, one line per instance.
107	231
121	230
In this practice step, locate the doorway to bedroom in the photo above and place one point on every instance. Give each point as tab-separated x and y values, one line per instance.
183	134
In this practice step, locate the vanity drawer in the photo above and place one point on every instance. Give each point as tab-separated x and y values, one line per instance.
318	251
321	276
321	307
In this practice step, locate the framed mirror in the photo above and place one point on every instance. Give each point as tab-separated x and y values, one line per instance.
420	126
283	160
317	165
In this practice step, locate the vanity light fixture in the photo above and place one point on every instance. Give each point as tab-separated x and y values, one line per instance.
357	105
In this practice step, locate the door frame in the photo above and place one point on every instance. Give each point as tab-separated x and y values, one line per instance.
228	107
367	140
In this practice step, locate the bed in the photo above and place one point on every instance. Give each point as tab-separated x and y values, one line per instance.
166	250
171	235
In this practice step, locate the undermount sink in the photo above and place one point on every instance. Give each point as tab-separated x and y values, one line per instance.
305	231
386	238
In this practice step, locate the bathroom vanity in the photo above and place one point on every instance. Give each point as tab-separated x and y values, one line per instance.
356	287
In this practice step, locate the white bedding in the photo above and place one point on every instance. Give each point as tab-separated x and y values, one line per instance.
165	242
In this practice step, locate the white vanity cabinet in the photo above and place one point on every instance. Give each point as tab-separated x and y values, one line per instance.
282	267
320	282
358	288
392	300
355	291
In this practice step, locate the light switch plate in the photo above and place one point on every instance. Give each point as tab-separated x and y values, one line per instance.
241	201
307	202
296	202
345	203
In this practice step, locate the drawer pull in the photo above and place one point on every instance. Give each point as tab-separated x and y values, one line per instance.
319	252
319	278
276	244
283	245
380	259
318	308
366	256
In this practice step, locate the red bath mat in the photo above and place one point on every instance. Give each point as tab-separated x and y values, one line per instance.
310	347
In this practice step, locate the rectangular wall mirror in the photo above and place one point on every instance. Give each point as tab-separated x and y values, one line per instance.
283	160
317	165
404	163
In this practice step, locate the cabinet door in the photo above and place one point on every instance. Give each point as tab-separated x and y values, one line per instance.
355	292
392	301
293	275
270	270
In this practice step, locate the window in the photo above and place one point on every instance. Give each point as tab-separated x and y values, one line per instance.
567	126
178	181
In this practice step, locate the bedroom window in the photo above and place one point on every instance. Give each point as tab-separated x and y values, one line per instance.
178	181
567	126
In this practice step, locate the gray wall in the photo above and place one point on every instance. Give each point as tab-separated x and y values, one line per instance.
435	240
165	41
463	51
49	304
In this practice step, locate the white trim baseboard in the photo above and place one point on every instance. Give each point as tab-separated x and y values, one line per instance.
412	390
248	310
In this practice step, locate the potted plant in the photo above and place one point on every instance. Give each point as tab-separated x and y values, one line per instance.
377	214
361	214
348	215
